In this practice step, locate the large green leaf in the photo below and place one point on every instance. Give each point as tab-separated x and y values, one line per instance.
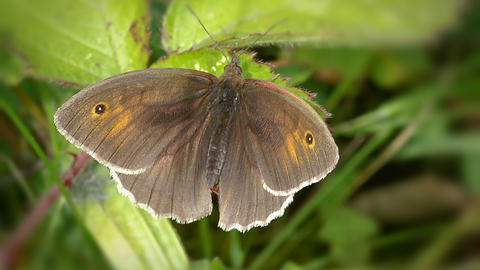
78	42
340	22
83	42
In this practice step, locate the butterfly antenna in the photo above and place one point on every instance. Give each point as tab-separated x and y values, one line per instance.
264	34
214	42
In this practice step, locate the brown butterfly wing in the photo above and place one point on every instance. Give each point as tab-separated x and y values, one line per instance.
175	185
291	144
143	112
243	201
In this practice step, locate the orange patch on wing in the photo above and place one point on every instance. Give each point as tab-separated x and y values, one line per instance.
121	124
291	138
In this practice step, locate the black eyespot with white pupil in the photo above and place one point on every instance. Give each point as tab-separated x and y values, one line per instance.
100	108
309	138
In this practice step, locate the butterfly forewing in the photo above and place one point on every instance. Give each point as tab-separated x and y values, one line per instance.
126	121
291	144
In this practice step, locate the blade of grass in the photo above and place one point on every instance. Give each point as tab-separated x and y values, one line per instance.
407	235
436	251
20	179
47	242
236	254
205	238
393	148
348	83
49	108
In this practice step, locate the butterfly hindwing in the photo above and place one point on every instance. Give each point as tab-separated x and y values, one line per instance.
175	185
243	201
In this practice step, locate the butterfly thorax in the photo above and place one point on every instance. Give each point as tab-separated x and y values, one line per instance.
225	101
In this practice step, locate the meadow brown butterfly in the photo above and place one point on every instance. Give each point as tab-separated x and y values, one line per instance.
170	136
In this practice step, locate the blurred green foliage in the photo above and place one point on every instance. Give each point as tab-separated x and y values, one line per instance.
401	79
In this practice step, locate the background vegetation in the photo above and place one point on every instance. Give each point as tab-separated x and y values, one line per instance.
401	79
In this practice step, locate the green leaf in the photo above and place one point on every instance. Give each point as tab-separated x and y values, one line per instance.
291	266
453	144
341	22
205	264
78	42
342	62
348	233
297	74
11	67
471	171
393	113
399	66
157	11
129	236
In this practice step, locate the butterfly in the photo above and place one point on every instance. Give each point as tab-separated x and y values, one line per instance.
171	136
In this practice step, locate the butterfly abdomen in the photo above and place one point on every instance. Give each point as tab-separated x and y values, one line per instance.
224	101
217	149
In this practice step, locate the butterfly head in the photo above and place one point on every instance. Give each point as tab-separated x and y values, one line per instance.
233	68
